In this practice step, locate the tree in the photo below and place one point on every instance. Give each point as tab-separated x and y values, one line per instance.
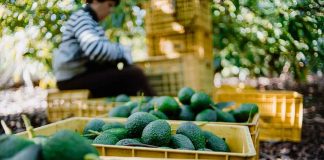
267	38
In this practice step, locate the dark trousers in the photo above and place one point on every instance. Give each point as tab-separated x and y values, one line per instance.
103	81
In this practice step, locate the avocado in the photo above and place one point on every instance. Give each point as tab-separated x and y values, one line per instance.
137	122
245	112
131	105
120	111
146	99
200	101
67	145
194	133
215	143
125	142
112	125
122	98
169	106
32	152
185	94
134	110
159	114
181	141
207	115
186	113
146	107
143	107
222	105
89	141
11	145
224	116
120	133
106	138
95	125
157	133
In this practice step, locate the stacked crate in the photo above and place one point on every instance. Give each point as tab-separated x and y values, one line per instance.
179	27
168	75
179	43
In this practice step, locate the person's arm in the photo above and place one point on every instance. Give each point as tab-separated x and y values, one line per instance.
93	45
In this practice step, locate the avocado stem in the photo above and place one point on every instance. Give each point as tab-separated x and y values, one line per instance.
6	128
29	127
91	134
155	107
95	132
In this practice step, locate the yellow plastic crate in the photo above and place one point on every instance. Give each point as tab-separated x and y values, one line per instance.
237	137
198	43
64	104
281	112
165	17
253	128
168	75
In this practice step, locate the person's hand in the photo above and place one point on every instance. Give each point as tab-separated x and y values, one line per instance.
128	55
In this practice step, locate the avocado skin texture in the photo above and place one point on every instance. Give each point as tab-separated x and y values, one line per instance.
194	133
215	143
169	106
224	116
120	133
137	122
11	145
207	115
200	101
186	113
245	111
67	145
106	138
157	133
159	114
32	152
120	111
112	125
185	94
95	125
122	98
181	141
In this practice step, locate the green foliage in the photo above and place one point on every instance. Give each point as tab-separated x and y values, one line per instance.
251	37
46	18
267	38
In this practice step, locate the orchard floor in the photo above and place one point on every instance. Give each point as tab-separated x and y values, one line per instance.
311	146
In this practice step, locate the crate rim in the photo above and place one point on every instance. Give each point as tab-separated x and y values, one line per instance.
294	93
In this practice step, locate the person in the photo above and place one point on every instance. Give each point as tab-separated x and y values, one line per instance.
86	59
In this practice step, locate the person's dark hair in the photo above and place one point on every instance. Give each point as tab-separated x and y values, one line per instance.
116	1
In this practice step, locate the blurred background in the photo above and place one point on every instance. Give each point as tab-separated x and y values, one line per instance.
251	39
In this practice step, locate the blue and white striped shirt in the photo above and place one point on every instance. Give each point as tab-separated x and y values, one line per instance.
83	40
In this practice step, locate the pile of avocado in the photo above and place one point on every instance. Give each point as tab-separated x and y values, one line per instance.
193	106
63	145
146	130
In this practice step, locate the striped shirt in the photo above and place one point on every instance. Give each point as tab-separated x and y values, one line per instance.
83	41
